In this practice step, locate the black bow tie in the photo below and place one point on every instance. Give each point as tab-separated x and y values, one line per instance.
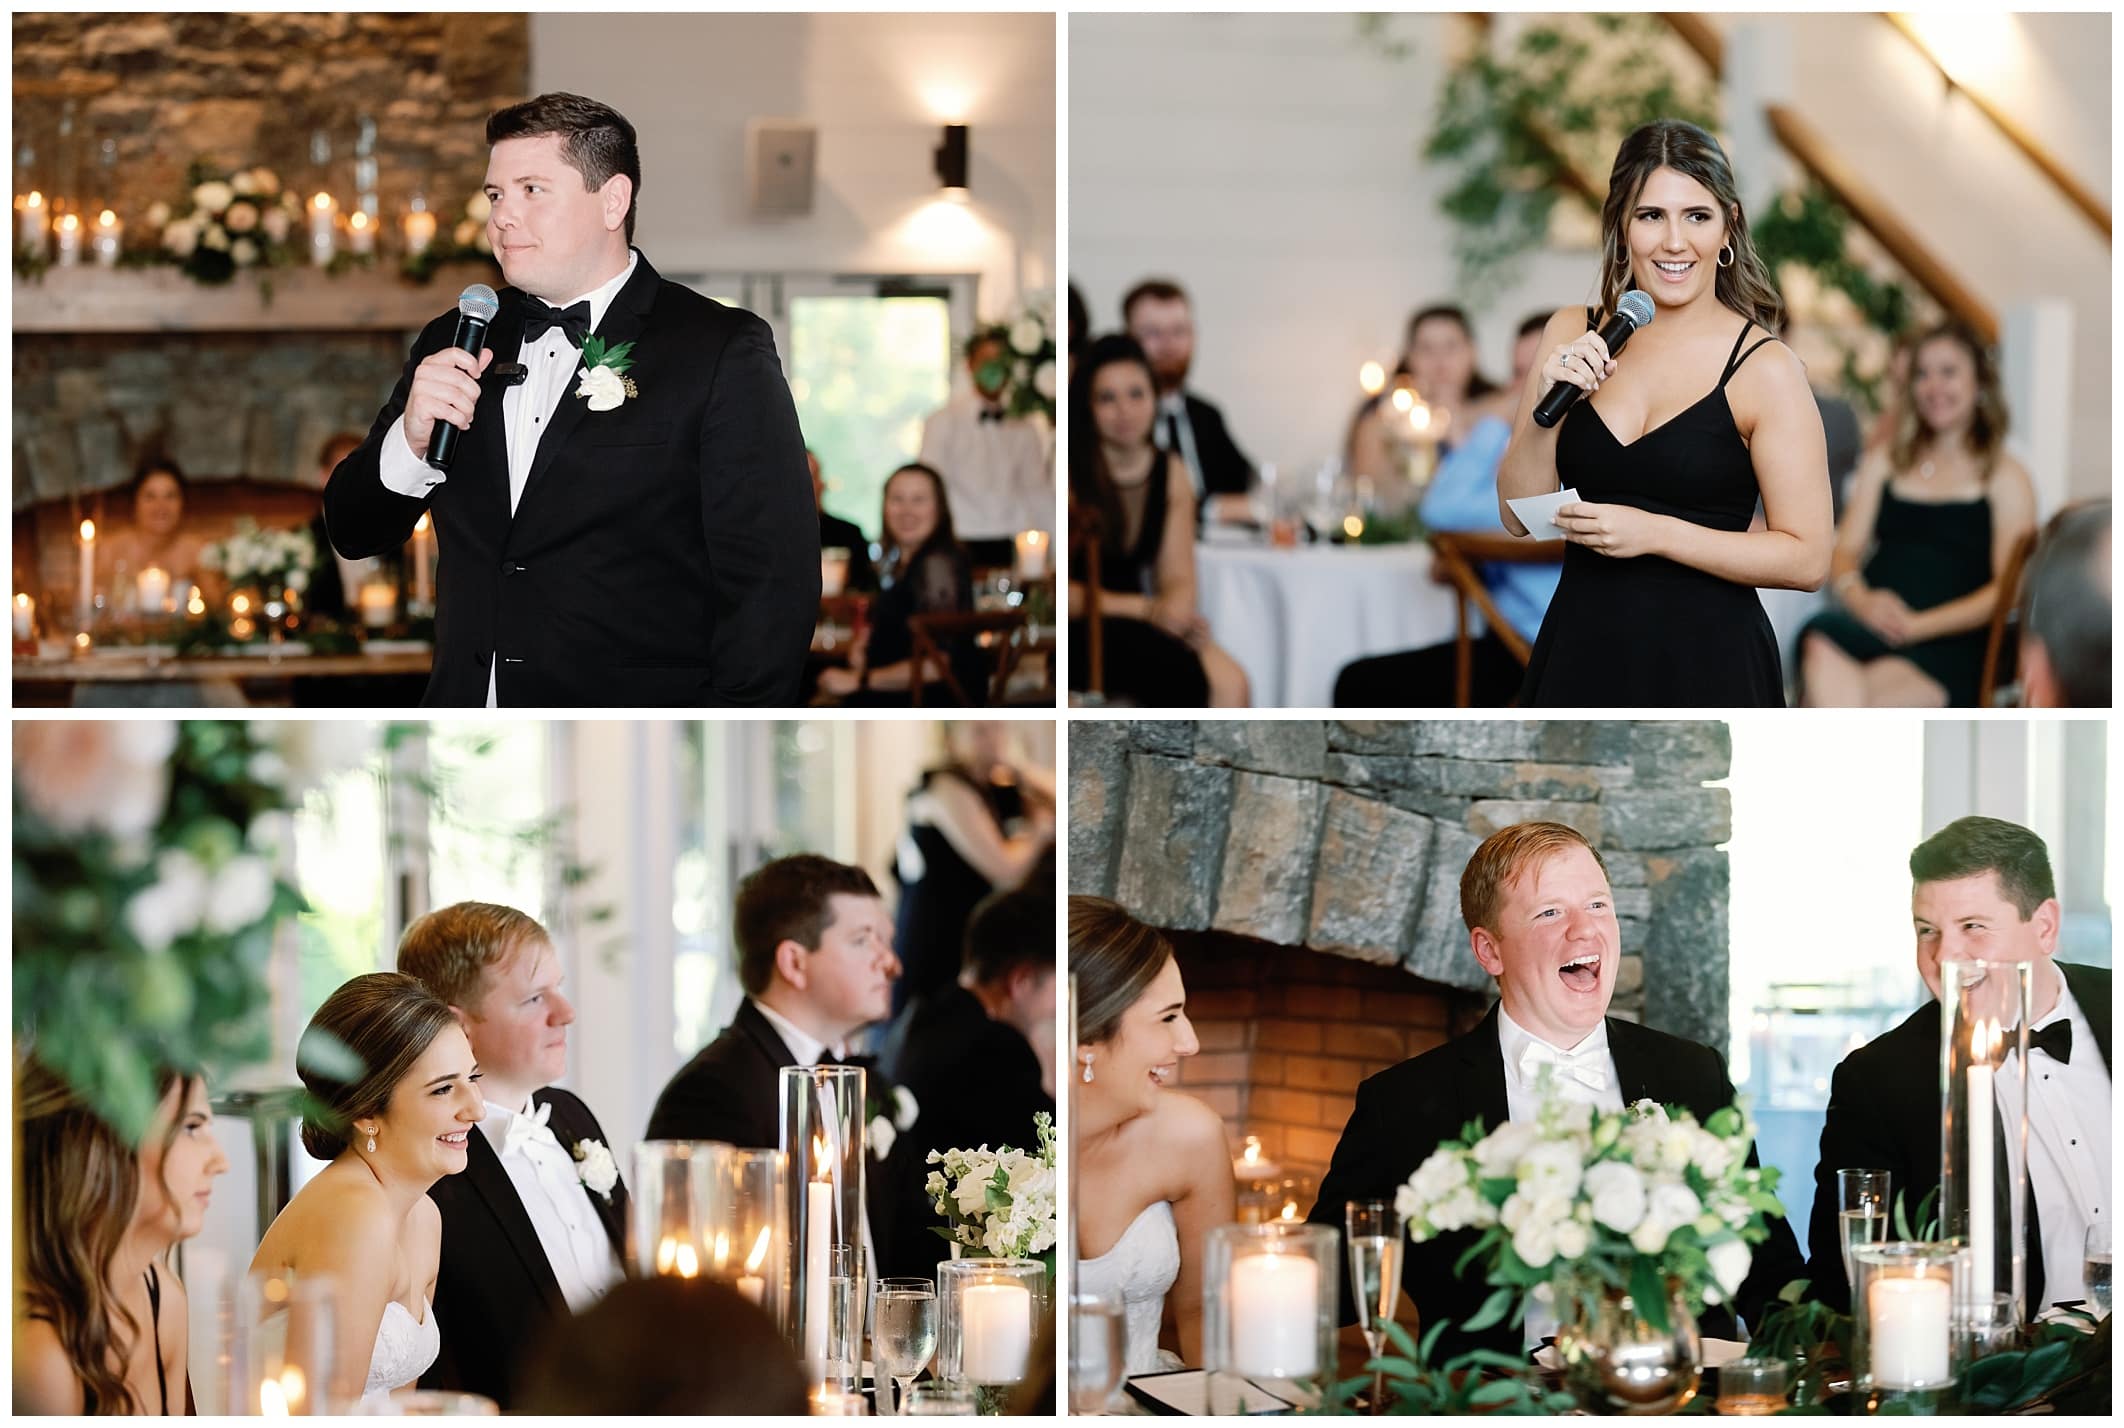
992	414
2055	1038
575	321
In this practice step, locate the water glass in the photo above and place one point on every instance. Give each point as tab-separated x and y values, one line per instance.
1862	1206
1098	1352
2095	1271
844	1317
940	1400
903	1334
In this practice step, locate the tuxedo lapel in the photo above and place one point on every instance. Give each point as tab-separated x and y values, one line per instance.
489	437
483	1169
622	323
569	1129
1633	1071
2090	988
1482	1059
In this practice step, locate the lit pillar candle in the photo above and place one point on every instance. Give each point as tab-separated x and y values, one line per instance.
1275	1315
1906	1324
106	238
34	227
423	573
818	1240
361	234
378	600
323	241
153	587
995	1334
69	234
1983	1244
1032	554
420	231
25	618
85	596
752	1284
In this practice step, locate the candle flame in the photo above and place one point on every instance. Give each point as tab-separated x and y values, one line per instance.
1253	1150
280	1397
1290	1209
1420	417
196	605
70	222
1372	377
1353	526
22	602
357	220
758	1256
1403	399
35	200
240	603
106	219
676	1257
423	524
322	202
722	1249
88	532
818	1157
82	640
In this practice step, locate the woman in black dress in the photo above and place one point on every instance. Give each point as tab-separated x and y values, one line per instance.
1158	650
1933	519
926	571
1657	606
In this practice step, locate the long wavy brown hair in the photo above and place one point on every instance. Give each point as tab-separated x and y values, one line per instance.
81	1185
1744	284
1987	427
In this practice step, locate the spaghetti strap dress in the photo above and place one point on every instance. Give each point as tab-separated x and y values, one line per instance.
1647	630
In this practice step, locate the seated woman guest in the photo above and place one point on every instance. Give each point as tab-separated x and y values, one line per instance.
926	572
1158	650
104	1321
1153	1171
392	1122
1462	496
157	536
1932	521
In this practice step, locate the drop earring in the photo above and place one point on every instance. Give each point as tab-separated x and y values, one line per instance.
372	1142
1087	1071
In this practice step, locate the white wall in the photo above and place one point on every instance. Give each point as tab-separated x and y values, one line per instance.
878	88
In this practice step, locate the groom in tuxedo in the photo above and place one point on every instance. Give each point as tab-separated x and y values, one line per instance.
639	535
1982	887
1541	920
535	1228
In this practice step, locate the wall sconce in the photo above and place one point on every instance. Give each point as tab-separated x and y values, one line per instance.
951	162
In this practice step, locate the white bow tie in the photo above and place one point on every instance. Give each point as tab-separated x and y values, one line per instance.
1587	1067
529	1126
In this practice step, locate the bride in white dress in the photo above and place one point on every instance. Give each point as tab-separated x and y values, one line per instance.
399	1091
1153	1169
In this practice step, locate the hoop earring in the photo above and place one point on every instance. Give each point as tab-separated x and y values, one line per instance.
1725	255
1087	1071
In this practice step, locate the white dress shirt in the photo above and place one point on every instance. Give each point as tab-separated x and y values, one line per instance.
1522	1104
1172	416
1000	474
2068	1146
552	364
569	1231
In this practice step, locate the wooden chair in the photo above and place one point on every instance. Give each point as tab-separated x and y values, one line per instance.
1457	554
934	634
2000	663
1084	555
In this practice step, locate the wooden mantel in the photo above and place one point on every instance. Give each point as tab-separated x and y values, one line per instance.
98	300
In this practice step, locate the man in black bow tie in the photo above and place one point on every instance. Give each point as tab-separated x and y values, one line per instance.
626	520
1541	920
1982	888
999	469
536	1227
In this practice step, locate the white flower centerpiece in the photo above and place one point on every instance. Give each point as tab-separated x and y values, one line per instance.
1578	1207
999	1203
275	563
1028	362
228	221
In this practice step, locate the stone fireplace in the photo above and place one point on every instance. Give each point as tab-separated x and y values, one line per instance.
1309	871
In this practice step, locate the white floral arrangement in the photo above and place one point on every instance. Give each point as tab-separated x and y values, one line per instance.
1624	1201
1028	362
273	560
596	1168
227	222
1001	1202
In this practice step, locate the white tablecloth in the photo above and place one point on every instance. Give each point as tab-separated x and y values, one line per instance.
1294	618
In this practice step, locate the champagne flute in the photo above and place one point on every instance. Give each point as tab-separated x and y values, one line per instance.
2095	1270
903	1334
1374	1237
1862	1218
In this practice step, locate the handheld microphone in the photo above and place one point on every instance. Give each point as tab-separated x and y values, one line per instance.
476	307
1632	312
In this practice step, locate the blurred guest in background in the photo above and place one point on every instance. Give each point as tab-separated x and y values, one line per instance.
1438	355
1931	524
975	824
157	536
1000	467
103	1325
1526	348
637	1351
837	534
1157	314
1158	650
926	571
2065	613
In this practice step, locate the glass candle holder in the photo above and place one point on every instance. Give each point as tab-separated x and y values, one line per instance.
1749	1388
745	1228
822	1194
279	1332
670	1206
1902	1302
987	1318
1269	1306
1984	1012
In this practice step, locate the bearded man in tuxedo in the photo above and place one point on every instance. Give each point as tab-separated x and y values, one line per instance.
635	532
1541	920
536	1228
1981	889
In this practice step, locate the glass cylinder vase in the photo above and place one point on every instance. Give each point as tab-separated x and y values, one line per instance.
1985	1011
670	1202
280	1333
1902	1305
1269	1307
745	1230
987	1320
823	1126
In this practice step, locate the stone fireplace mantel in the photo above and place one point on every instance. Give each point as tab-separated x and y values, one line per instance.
90	299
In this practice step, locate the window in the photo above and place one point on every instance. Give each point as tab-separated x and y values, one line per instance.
342	869
491	816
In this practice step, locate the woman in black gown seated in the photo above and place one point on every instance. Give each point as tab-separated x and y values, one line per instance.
1158	651
926	571
1940	511
1657	606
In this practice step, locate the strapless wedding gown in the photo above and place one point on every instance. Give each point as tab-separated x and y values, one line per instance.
405	1346
1138	1271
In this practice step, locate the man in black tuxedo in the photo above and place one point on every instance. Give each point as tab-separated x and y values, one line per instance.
978	1057
636	534
1157	314
1982	888
814	945
1541	920
535	1229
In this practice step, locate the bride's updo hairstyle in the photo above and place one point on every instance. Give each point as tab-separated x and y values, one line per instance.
361	1044
1114	958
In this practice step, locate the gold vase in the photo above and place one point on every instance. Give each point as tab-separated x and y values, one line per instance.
1616	1362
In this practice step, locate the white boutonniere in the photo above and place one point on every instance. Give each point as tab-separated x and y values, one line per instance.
884	1129
605	381
596	1168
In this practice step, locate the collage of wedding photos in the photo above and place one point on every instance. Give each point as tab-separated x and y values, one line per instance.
1543	848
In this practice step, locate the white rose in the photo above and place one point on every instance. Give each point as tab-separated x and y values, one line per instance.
882	1136
266	181
478	207
216	237
1044	381
1572	1240
603	387
1709	1154
1552	1168
1459	1210
905	1108
1730	1261
276	223
971	1193
243	890
1026	336
1441	1173
1498	1152
1514	1212
1535	1242
1673	1204
242	218
595	1167
244	252
1618	1194
1410	1205
172	905
244	184
1650	1237
158	214
213	196
181	238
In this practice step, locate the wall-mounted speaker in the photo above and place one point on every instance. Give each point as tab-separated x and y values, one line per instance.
781	158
